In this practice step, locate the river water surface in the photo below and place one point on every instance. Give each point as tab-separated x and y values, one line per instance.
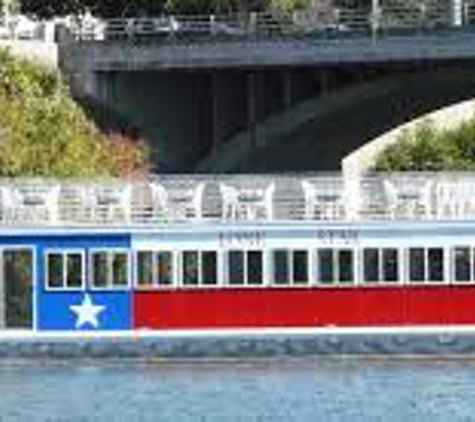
398	390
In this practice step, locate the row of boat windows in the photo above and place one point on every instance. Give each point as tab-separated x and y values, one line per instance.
279	267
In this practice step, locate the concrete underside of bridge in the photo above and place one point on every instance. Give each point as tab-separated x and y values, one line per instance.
273	119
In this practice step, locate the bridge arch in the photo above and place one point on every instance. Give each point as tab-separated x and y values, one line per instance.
318	134
361	160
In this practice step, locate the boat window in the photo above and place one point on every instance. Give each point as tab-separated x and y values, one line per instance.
109	269
472	256
245	268
199	268
390	265
300	267
436	264
99	269
65	270
190	267
426	264
255	268
236	268
380	265
335	266
144	275
326	269
290	267
154	268
345	266
55	270
74	270
281	267
416	264
209	268
462	262
119	269
164	268
371	264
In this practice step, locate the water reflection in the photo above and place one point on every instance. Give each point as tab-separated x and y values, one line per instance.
309	390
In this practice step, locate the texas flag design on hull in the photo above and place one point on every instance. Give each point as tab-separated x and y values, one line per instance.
85	311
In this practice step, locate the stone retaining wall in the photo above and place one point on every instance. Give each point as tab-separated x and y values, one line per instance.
45	53
241	346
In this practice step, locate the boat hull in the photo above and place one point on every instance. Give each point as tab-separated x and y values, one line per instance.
305	307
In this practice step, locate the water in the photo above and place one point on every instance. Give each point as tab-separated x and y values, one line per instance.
309	390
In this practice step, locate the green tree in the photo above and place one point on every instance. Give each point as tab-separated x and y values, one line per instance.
198	7
44	133
290	5
429	149
100	8
118	8
9	7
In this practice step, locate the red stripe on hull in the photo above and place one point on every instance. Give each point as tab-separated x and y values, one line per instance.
247	308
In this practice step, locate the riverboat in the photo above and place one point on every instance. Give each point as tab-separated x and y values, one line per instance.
238	252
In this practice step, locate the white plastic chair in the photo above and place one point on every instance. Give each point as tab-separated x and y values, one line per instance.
247	203
31	202
409	199
9	201
186	203
159	196
230	201
454	199
113	203
256	203
322	202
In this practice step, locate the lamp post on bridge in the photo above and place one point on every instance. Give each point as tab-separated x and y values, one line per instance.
457	9
375	18
6	12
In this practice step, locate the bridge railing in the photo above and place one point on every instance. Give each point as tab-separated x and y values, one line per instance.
397	17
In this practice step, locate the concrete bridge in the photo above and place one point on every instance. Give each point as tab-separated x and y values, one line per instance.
270	100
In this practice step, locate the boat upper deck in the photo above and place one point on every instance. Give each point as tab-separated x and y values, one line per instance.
239	198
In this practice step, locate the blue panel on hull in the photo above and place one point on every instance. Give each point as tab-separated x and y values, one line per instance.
85	311
79	310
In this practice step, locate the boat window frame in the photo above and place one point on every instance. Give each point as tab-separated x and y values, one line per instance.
453	266
336	283
64	253
245	252
426	281
178	273
382	281
136	270
155	285
110	286
292	281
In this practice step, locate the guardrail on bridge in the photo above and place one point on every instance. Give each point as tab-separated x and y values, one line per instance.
392	18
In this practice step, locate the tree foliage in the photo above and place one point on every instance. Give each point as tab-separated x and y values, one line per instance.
119	8
290	5
44	133
100	8
426	148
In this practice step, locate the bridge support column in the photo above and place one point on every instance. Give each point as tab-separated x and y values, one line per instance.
215	133
287	89
251	106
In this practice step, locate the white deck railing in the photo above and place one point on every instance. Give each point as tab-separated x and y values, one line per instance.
245	198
